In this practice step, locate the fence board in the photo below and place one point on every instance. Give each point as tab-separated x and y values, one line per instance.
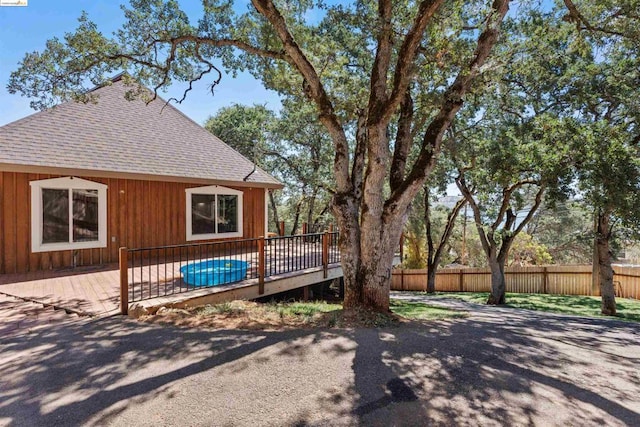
551	279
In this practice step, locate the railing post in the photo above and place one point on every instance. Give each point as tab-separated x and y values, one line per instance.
281	228
261	265
124	281
325	253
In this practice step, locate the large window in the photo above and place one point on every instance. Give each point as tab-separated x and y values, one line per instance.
213	212
68	213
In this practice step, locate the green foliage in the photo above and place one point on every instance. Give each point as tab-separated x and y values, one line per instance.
526	250
566	230
420	311
628	309
245	128
305	310
414	250
293	147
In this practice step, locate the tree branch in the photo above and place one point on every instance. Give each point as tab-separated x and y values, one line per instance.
533	210
380	69
357	170
506	199
407	55
462	186
316	92
453	100
451	219
403	142
582	23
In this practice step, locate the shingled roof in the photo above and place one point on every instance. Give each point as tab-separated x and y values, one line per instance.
115	137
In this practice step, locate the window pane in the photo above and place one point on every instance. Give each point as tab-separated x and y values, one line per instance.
55	215
203	208
85	215
227	214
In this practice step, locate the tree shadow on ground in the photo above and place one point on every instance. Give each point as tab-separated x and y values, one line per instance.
498	366
504	366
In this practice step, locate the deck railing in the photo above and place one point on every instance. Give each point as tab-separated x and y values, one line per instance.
156	271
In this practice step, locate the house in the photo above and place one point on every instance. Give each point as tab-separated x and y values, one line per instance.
79	181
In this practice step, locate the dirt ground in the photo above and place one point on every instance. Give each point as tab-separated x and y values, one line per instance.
249	315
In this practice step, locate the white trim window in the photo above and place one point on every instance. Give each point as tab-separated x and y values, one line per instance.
68	213
214	212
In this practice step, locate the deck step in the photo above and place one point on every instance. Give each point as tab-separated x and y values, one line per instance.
18	316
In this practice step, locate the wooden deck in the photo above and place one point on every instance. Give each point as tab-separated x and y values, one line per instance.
90	291
161	276
95	291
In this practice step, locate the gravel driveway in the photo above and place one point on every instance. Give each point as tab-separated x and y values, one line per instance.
496	367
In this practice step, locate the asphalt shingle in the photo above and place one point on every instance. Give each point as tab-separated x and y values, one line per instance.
117	135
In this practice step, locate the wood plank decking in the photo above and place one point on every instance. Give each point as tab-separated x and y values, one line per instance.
95	291
90	291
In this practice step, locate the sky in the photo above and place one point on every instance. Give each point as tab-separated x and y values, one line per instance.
26	29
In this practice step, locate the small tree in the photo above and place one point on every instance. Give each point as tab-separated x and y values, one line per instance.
505	193
437	243
526	250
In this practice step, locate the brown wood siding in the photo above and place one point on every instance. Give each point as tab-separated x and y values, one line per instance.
139	213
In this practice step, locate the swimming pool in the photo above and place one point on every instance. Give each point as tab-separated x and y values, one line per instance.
214	272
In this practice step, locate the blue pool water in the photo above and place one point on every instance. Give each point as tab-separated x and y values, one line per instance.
214	272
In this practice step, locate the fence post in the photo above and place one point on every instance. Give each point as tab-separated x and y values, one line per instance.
325	253
261	265
545	280
461	280
124	280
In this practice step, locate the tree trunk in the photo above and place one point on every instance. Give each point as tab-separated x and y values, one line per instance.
311	207
607	290
435	254
595	263
431	278
366	266
274	207
296	217
432	263
498	284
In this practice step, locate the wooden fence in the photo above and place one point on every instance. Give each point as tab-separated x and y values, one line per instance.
551	279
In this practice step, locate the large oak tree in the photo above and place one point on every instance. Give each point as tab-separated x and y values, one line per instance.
364	66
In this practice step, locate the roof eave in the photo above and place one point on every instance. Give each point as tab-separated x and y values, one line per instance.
7	167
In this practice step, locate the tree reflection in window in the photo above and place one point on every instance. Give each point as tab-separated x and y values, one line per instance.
206	219
203	209
85	215
227	213
55	215
56	218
